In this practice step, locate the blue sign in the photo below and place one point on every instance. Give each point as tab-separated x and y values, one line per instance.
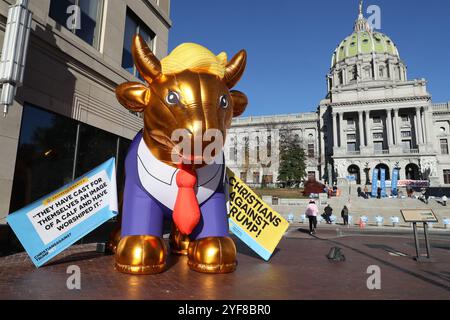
394	183
383	182
53	223
374	183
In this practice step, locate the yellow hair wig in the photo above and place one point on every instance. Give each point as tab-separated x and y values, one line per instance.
195	57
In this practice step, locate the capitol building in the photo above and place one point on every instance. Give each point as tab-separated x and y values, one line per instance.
372	117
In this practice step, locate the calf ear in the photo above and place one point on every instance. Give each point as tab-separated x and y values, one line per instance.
133	95
240	102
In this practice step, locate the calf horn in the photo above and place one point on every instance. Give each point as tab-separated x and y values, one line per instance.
235	68
147	64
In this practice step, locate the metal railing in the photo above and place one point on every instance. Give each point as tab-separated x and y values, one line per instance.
411	151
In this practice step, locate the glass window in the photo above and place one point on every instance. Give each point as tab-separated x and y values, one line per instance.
378	135
444	146
310	150
405	118
351	147
351	122
90	12
134	25
378	146
447	176
45	155
406	145
377	120
233	154
406	134
255	177
95	147
351	137
244	176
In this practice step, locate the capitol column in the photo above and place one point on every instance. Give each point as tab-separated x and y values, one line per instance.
419	126
389	127
341	132
398	129
368	133
335	136
428	124
361	130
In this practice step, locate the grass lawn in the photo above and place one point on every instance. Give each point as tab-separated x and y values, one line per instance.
286	193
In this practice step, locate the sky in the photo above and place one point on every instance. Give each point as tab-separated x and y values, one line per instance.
290	43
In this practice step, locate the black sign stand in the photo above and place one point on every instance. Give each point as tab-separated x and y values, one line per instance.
418	257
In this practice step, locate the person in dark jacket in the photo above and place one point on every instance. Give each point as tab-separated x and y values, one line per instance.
344	215
328	212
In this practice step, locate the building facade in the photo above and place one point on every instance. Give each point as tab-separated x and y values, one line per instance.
373	117
65	119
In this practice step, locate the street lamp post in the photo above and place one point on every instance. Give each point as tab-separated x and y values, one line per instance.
14	52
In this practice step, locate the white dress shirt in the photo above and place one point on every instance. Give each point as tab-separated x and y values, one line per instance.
159	179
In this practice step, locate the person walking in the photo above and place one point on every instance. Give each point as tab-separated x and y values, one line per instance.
344	215
311	212
328	212
366	192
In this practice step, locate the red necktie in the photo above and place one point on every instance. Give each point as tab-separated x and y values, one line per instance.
186	212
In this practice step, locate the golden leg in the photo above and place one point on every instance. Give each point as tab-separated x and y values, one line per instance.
179	242
141	255
212	255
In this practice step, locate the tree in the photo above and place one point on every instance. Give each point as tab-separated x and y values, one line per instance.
292	168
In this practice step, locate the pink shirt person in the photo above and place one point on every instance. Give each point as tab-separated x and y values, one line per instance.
312	210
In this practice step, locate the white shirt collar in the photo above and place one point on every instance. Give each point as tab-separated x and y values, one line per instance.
158	178
166	174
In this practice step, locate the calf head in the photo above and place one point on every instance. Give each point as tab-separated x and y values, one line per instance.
189	90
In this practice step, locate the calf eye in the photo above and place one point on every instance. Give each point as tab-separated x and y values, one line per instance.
223	101
173	98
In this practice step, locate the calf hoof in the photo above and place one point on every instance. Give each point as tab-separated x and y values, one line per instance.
113	241
141	255
179	243
212	255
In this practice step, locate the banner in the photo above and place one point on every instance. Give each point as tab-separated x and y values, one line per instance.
48	226
394	182
374	183
252	220
383	182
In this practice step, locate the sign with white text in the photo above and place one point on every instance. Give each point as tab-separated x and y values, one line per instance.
48	226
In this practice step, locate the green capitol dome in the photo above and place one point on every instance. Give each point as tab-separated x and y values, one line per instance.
364	42
365	56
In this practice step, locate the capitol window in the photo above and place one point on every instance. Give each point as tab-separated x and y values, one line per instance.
442	129
447	176
444	146
378	135
406	134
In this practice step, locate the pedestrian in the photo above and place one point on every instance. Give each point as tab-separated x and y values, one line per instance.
311	212
366	192
328	212
359	191
444	200
344	215
427	195
378	193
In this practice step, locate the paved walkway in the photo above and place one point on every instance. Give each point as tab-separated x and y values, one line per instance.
299	269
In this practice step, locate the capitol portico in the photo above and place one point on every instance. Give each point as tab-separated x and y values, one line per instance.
373	116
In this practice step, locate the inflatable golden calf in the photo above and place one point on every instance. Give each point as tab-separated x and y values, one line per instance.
190	90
